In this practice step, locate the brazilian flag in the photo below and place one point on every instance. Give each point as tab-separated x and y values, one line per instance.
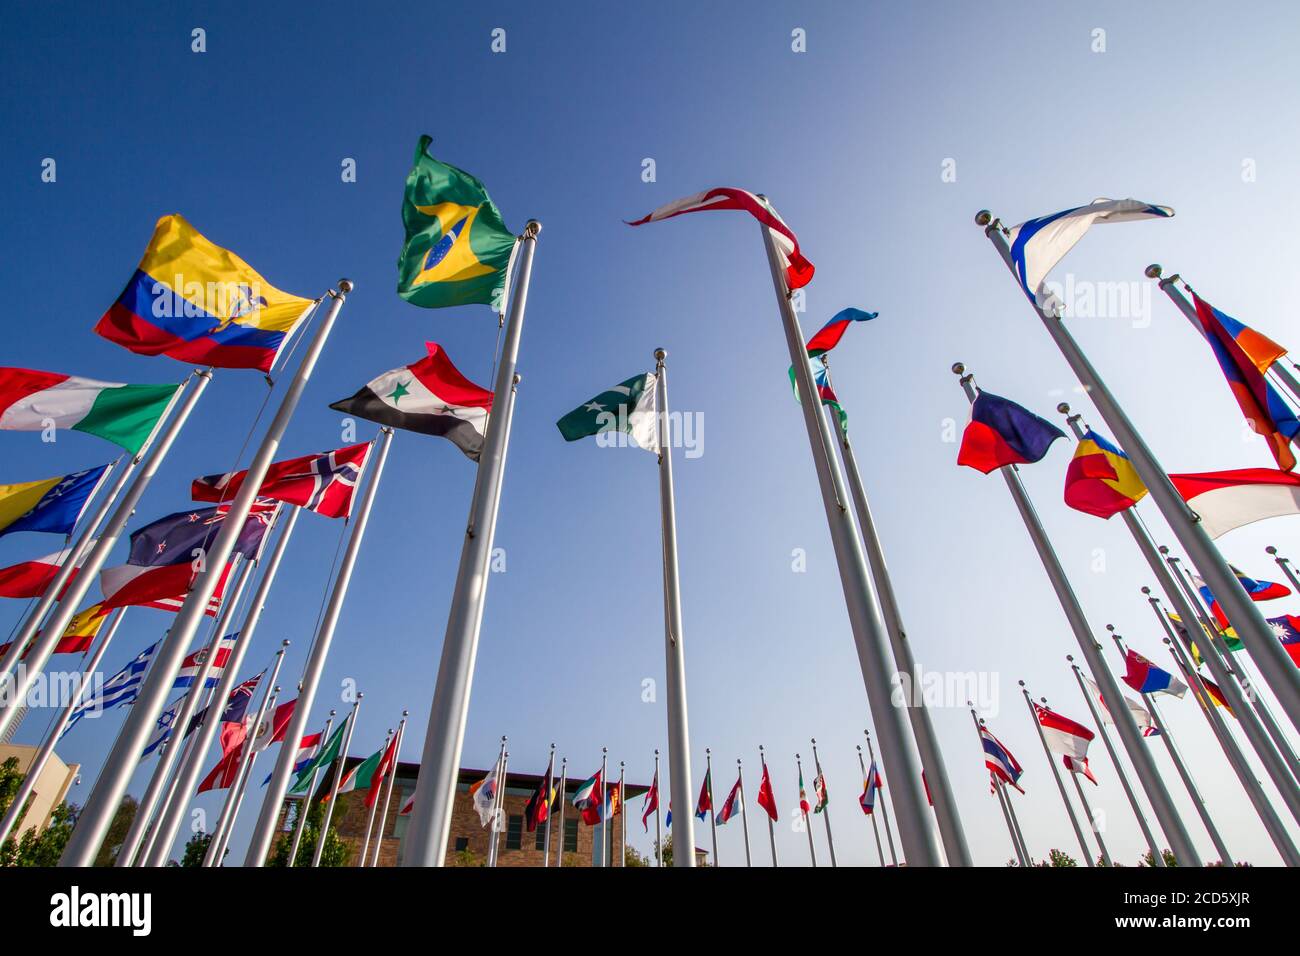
456	247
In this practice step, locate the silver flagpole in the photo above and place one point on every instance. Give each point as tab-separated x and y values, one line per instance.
884	804
435	791
604	794
109	789
880	850
807	824
340	762
622	812
173	814
143	833
744	809
1245	774
564	786
995	786
659	836
927	741
18	805
1156	856
217	843
304	804
713	824
826	810
260	843
388	788
1069	809
549	782
1011	809
374	807
492	810
870	635
15	686
1087	811
771	831
679	744
1183	773
1165	811
497	828
1274	663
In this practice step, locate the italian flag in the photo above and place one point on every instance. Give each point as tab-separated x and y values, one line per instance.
360	776
123	414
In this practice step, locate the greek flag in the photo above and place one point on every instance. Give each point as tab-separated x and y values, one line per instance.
121	688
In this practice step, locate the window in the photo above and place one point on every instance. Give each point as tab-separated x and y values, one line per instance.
462	844
570	836
541	837
515	833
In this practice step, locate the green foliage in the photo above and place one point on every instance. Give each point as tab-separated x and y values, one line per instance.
32	848
336	850
1170	859
467	857
117	831
1058	858
196	849
632	858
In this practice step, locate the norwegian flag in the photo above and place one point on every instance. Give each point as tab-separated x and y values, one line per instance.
321	483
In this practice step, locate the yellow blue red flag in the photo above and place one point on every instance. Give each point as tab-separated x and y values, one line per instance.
1101	480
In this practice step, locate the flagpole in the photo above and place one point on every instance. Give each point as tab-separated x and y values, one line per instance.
771	831
826	810
247	758
172	813
807	824
388	790
622	813
305	803
744	810
498	812
564	785
870	636
374	807
602	804
1157	857
492	809
884	804
880	850
18	805
1166	813
1087	811
549	783
995	786
1015	821
435	792
713	825
260	843
1069	809
1176	757
14	687
927	741
341	762
659	836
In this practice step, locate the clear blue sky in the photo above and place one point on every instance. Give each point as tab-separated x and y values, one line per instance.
850	140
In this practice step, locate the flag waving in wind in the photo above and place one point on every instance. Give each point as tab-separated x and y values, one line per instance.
650	804
321	483
1146	678
1063	735
50	504
705	803
1004	433
732	805
1226	500
1101	480
628	407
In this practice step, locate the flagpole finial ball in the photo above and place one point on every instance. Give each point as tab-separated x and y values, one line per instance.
345	286
532	228
1153	271
1164	549
1063	408
1070	658
1021	683
1271	550
660	354
1146	590
958	368
983	217
1110	627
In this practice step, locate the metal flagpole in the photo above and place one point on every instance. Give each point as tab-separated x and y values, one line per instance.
807	824
260	843
305	803
340	763
999	794
1183	773
1042	739
1158	796
884	805
826	810
217	843
18	805
435	791
104	800
14	687
498	813
1015	821
549	783
622	813
659	837
374	808
172	814
1274	663
604	795
870	635
927	741
713	824
388	788
679	745
771	831
880	850
497	769
1087	810
1156	856
143	833
744	809
1245	774
564	786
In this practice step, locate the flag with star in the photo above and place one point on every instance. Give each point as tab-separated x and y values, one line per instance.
628	407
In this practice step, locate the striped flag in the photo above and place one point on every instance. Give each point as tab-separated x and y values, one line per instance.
871	788
190	668
999	760
121	688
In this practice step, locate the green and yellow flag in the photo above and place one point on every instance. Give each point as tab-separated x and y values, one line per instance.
457	247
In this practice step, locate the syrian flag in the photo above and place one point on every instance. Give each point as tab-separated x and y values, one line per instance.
321	483
429	396
1225	500
798	270
1063	735
29	579
734	804
766	798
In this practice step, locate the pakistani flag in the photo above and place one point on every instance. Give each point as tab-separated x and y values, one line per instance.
329	753
32	401
628	407
457	247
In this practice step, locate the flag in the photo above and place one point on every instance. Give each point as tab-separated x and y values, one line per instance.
272	729
123	414
428	396
1225	500
1037	245
366	775
197	302
1287	629
766	798
162	729
457	247
668	817
121	688
1101	480
1244	356
321	483
387	765
829	335
1140	713
77	636
803	796
1062	734
1258	590
627	407
538	808
798	270
999	760
483	796
705	802
236	709
613	801
222	776
30	579
819	788
1146	678
734	804
408	806
160	567
326	756
822	382
1216	694
589	799
650	804
1079	765
307	749
1003	433
195	662
51	504
871	787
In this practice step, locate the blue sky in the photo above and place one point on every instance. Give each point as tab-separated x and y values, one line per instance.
850	139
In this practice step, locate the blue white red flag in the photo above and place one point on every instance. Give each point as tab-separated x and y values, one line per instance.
871	787
999	760
1146	678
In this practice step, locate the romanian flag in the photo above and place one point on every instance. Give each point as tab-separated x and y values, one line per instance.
1003	433
197	302
1101	480
1244	356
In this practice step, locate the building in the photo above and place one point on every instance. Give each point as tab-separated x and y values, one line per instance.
469	842
52	786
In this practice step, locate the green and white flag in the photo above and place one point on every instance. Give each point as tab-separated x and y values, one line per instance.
627	408
326	757
361	776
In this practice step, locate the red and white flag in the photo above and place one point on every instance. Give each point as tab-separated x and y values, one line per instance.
220	777
766	798
1063	735
29	579
1231	499
273	727
321	483
190	669
1079	766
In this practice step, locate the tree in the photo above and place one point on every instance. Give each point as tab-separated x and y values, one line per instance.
1170	859
467	857
117	831
196	849
1058	858
33	848
632	858
336	850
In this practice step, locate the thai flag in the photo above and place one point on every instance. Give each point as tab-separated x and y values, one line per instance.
1145	678
999	760
190	669
871	788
